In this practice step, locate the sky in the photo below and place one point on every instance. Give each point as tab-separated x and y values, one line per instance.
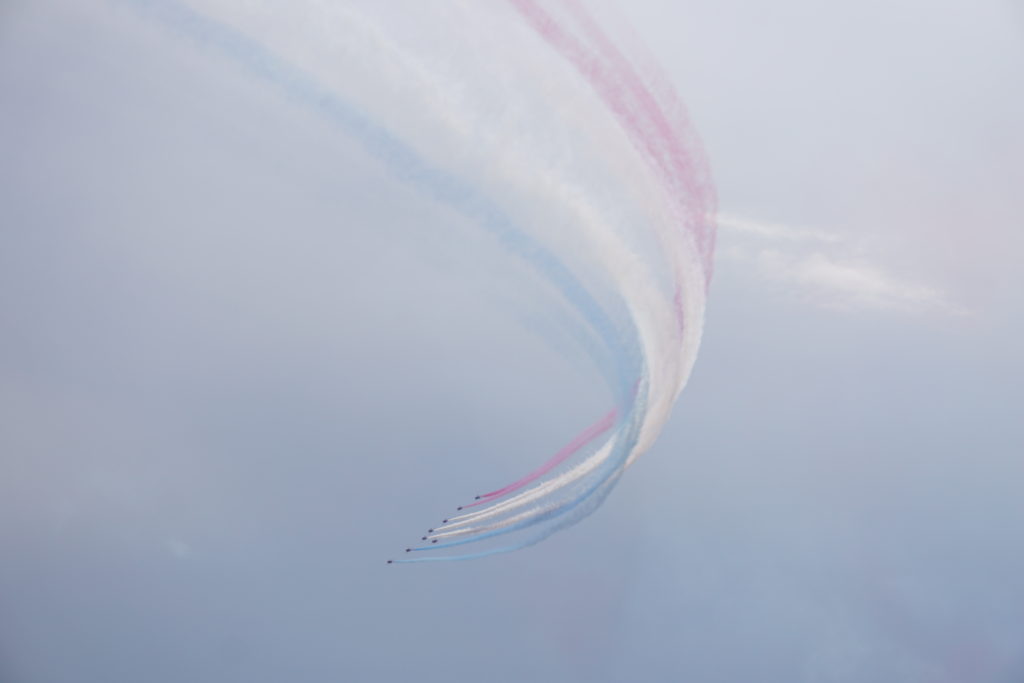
242	365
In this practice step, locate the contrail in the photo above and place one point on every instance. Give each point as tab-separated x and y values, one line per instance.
604	192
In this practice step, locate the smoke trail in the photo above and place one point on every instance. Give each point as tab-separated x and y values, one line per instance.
581	440
618	227
685	179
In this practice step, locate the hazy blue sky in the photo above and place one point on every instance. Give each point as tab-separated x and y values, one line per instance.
241	366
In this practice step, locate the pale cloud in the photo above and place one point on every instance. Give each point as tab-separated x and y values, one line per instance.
774	230
178	549
849	284
826	269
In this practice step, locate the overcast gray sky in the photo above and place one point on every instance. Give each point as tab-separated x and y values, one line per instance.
233	380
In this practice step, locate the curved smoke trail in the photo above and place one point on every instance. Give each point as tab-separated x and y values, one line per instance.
552	140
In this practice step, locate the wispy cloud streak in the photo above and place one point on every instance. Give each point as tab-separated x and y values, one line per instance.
826	269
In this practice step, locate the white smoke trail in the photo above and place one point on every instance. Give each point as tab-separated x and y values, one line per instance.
563	168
